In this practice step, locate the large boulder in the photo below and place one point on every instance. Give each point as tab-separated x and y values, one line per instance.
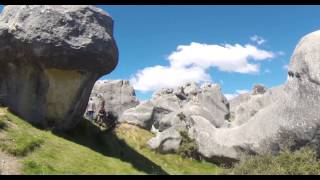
141	115
51	56
286	116
170	110
166	142
245	106
118	96
265	120
189	99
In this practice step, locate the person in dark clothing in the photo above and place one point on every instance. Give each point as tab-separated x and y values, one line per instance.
111	120
101	114
91	108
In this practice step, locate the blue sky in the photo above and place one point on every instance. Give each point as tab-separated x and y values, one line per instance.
148	37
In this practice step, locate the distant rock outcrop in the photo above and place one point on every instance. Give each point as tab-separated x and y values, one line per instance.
285	115
118	96
50	58
246	105
262	121
171	111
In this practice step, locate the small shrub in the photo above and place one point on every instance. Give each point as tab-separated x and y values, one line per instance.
188	147
300	162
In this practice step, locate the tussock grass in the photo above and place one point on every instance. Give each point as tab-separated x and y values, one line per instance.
300	162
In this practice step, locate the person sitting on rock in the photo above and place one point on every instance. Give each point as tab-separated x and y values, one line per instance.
101	114
111	120
91	109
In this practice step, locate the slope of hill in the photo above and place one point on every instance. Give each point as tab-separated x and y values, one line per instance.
88	150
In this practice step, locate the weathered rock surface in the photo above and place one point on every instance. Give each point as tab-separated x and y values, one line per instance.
265	120
245	106
167	141
170	110
118	96
286	115
51	56
189	99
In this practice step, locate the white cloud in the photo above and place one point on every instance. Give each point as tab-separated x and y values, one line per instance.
230	58
191	62
285	67
230	96
242	91
237	93
153	78
257	39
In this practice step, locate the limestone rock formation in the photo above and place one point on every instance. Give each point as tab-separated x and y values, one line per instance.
285	115
166	142
189	99
170	110
265	120
50	58
141	115
118	96
245	106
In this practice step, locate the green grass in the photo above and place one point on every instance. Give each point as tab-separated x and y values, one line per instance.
170	163
87	150
300	162
19	141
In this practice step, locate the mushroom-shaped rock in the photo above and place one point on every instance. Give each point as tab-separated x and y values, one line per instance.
50	58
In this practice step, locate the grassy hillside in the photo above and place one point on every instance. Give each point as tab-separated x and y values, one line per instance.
87	150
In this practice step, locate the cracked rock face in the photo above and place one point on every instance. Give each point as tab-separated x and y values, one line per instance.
189	99
118	96
284	115
51	56
265	120
171	111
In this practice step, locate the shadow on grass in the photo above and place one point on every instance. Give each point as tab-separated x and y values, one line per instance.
108	144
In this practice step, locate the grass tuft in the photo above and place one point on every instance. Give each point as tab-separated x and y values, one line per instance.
300	162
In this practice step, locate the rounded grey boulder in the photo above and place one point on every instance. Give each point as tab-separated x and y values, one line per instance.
118	96
51	56
287	115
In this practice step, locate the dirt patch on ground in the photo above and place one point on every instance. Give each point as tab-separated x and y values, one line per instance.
9	165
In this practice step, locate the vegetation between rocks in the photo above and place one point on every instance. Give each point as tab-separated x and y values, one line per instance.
300	162
188	147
